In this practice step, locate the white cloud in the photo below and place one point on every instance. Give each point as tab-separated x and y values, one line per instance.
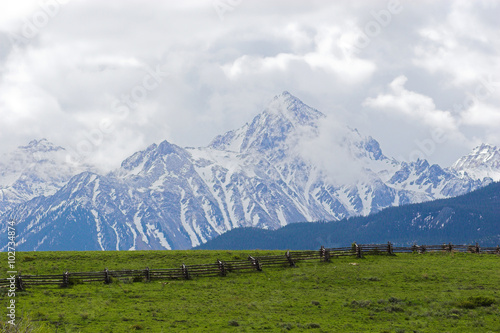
324	148
62	83
462	44
483	115
414	106
326	54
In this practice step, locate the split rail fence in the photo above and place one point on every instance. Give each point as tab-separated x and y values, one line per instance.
222	268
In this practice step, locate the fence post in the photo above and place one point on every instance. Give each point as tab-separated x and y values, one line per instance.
389	248
450	247
414	248
19	283
148	274
222	267
359	254
327	255
185	272
256	263
324	254
289	258
65	279
107	279
477	248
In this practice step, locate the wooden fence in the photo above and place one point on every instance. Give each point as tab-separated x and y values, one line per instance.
388	248
222	268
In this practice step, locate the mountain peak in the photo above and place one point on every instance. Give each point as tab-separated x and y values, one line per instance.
485	148
293	109
42	145
484	153
271	127
284	94
483	161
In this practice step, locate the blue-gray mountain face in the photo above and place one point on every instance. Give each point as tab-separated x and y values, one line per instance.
271	172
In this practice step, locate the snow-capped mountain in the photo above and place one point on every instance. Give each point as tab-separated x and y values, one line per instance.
467	219
40	168
482	162
290	164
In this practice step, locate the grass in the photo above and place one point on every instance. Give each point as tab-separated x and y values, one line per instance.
432	292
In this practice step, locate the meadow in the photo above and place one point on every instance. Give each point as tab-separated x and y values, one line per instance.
431	292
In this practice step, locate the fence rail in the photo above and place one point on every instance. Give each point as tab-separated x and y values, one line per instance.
222	268
166	274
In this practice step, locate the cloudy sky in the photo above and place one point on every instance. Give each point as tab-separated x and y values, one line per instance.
107	78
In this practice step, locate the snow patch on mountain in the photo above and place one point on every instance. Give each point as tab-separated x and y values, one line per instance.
483	162
289	164
39	168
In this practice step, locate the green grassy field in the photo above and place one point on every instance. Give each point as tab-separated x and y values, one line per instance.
432	292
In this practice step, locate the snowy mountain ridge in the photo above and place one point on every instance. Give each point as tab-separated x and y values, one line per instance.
39	168
290	164
482	162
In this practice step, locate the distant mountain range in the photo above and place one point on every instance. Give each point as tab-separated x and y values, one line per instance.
288	165
40	168
467	219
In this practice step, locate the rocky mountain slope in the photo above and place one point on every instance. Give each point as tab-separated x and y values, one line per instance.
466	219
288	165
482	162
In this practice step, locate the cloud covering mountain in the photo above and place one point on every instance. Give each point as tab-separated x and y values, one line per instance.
270	172
143	71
